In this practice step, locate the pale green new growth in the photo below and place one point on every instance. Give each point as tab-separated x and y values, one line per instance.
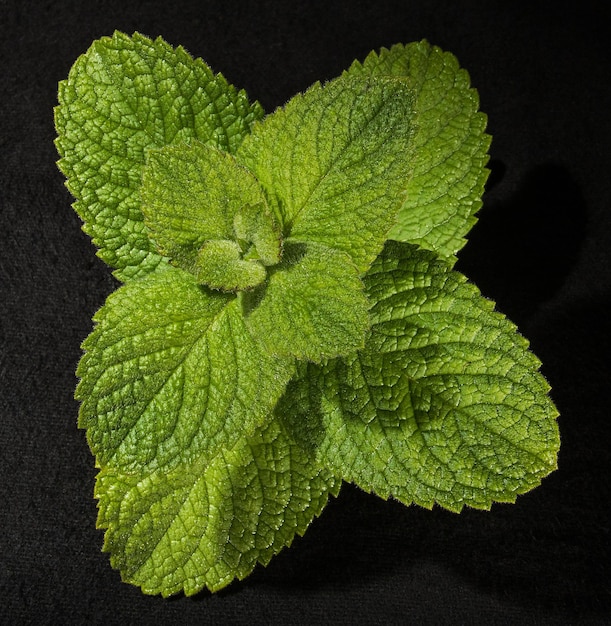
258	233
270	339
219	264
191	195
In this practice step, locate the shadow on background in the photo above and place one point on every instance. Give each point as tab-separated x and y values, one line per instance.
521	250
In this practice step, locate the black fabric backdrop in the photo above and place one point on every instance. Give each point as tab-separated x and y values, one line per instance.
541	250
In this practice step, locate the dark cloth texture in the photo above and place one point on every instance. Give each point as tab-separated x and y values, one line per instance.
541	250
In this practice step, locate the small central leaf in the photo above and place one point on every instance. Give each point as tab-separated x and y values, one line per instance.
193	194
256	225
220	265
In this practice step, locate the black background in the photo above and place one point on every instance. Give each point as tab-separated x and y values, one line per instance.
541	250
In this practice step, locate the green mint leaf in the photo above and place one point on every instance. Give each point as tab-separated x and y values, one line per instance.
445	404
123	96
170	371
209	216
220	265
312	307
333	163
204	212
448	150
258	233
206	522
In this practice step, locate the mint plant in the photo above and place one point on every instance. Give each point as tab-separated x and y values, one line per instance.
289	316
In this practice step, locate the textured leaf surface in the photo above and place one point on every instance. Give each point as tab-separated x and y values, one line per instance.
219	265
171	373
445	403
407	382
312	307
123	96
203	524
192	194
333	163
448	150
255	227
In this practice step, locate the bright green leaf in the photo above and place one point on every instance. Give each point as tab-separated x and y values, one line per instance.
312	307
205	523
192	194
448	150
333	163
122	97
170	372
220	265
254	224
445	404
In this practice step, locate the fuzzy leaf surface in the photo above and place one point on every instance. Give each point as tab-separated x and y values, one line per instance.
194	194
122	97
445	404
448	150
205	523
332	163
170	373
313	307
